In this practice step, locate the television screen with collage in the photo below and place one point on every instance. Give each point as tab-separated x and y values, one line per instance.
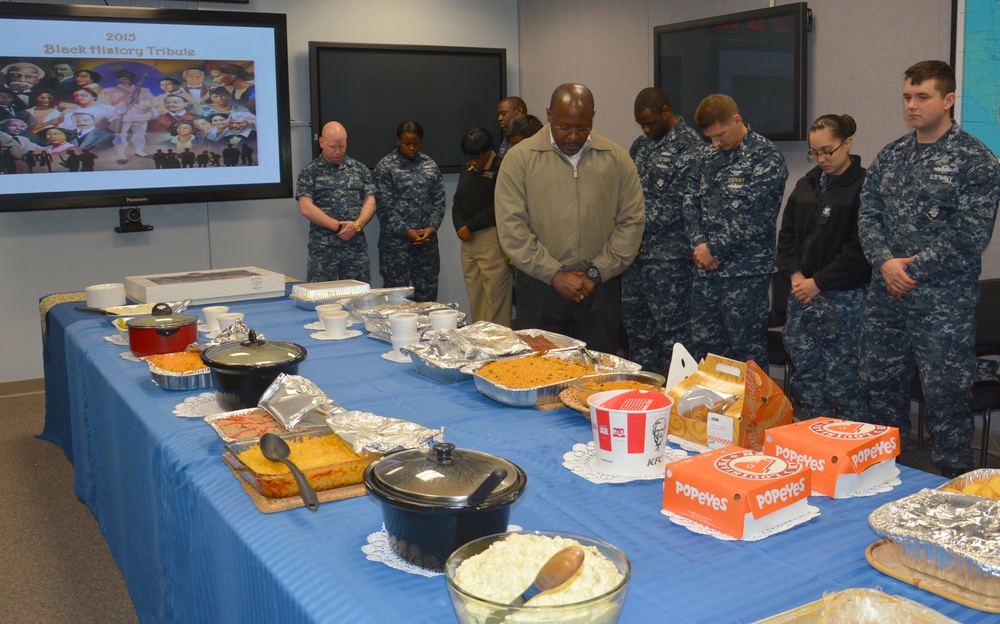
130	107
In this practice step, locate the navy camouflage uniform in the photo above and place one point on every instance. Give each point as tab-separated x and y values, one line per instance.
656	289
339	191
410	197
504	147
732	205
937	202
819	238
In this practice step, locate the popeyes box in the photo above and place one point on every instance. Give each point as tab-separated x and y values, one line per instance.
737	491
630	431
210	286
724	401
845	457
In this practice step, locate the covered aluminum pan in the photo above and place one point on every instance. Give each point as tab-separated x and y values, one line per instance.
376	320
548	394
188	380
377	297
434	369
252	423
339	289
443	352
952	536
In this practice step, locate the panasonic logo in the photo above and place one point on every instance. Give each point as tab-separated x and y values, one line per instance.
702	498
780	495
883	447
792	455
134	200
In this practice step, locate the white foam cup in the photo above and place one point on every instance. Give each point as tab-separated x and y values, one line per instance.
105	295
630	431
335	323
402	341
212	315
444	319
327	307
403	324
228	318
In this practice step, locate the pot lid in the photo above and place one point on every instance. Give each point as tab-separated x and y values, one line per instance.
253	352
162	317
446	477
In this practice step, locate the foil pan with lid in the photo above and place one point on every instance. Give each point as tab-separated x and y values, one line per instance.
952	536
443	352
376	320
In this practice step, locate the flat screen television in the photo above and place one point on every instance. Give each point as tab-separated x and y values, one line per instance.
371	89
757	57
109	106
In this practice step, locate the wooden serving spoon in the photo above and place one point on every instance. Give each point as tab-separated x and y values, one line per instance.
555	573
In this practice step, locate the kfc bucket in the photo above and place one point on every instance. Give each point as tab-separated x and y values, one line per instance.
630	431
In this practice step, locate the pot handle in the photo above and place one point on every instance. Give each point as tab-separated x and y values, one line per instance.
161	309
167	331
486	487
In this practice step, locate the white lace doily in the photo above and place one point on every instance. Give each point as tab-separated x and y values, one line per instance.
350	333
127	355
580	461
318	326
687	445
391	356
875	489
205	404
117	339
378	549
701	529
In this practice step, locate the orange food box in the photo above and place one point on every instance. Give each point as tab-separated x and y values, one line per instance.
736	491
845	456
757	403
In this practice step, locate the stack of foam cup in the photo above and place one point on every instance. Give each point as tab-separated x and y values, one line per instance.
403	329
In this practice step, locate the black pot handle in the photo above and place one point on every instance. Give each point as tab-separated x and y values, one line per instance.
167	331
161	309
486	487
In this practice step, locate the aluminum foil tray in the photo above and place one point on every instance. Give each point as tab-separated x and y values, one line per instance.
251	424
190	380
563	342
951	536
546	395
376	297
442	374
308	296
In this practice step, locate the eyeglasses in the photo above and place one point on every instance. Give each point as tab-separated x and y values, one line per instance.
813	155
579	130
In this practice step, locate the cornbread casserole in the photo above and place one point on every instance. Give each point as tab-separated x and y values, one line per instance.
307	452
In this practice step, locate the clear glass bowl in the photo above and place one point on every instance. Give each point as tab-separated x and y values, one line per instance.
473	609
593	383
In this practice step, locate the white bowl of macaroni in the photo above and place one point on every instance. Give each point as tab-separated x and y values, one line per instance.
486	575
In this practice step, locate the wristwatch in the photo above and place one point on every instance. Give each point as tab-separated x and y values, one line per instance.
594	274
357	226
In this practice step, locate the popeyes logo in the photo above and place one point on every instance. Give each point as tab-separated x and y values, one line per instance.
847	430
751	465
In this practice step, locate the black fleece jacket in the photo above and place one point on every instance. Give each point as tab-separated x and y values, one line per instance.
825	247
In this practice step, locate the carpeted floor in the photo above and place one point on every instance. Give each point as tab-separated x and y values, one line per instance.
57	567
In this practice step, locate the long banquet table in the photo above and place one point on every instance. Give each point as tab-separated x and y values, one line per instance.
193	548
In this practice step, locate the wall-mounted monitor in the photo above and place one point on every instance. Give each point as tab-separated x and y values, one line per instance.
371	89
757	57
105	106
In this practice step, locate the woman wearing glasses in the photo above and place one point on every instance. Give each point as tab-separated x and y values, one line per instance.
819	252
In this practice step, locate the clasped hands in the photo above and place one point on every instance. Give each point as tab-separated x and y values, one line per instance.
804	288
897	281
573	285
421	236
704	258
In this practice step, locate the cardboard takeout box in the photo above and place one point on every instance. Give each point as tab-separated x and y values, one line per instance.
845	456
736	491
757	403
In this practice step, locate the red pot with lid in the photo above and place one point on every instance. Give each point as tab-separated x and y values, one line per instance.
161	331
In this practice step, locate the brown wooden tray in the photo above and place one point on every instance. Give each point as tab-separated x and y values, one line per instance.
887	561
271	505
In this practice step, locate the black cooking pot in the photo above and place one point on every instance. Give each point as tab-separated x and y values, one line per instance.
242	371
436	500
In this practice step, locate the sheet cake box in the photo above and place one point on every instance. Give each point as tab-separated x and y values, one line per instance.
845	457
736	491
760	403
210	286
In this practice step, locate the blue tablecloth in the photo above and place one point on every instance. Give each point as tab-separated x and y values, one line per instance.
193	548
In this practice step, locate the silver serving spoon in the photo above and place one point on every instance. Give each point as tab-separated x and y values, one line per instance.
555	573
276	449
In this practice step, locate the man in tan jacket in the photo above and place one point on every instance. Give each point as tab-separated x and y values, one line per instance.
570	216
